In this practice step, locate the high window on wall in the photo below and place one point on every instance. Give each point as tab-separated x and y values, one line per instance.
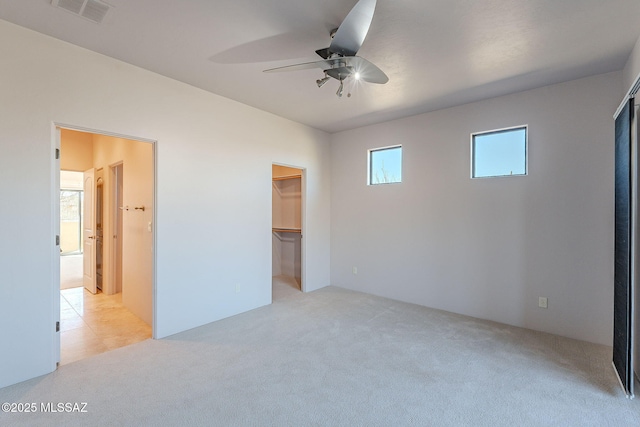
500	152
385	165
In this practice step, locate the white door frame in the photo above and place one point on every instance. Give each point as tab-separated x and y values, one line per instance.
55	253
303	223
55	202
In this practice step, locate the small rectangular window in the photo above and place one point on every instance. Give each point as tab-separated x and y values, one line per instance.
499	153
385	165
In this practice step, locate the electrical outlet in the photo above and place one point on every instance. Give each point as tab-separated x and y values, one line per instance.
542	302
355	270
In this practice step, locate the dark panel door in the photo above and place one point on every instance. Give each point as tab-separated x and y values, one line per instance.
622	321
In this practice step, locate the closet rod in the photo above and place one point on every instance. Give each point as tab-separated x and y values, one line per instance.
286	230
282	178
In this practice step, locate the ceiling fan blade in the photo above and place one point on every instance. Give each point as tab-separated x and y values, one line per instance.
323	65
353	30
296	67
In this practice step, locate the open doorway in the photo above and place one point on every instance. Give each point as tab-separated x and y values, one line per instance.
287	231
106	302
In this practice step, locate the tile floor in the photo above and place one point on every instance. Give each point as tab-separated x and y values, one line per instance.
70	271
93	324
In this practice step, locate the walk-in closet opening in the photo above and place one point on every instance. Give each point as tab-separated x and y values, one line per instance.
287	231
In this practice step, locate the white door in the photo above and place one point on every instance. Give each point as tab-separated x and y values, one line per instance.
88	229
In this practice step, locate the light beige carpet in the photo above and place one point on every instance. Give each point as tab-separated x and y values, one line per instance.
338	358
70	271
284	287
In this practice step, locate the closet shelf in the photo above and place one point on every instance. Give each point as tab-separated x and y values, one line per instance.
282	178
286	230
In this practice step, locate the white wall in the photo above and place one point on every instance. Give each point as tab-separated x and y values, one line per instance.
488	248
631	69
213	217
287	254
76	152
276	255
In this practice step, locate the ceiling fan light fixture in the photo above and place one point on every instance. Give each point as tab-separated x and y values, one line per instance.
322	81
357	75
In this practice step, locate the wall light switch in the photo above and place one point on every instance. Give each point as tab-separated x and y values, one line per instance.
355	270
542	302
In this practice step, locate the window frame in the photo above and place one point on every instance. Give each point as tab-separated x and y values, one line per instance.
496	131
370	152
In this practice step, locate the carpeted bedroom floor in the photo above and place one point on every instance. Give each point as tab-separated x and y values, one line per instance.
338	358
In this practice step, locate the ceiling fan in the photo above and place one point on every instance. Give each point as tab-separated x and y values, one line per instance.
339	60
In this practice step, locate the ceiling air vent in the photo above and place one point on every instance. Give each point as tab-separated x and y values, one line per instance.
93	10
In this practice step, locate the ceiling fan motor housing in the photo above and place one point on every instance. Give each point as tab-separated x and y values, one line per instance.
339	73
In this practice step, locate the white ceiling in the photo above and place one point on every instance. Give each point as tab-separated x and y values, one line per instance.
437	53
